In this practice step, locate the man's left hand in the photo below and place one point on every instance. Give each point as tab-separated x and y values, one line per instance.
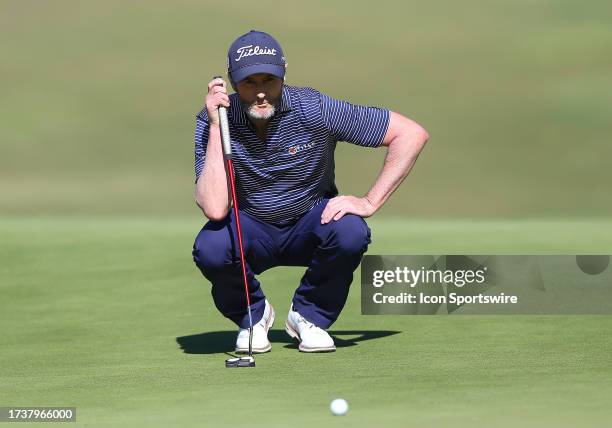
340	205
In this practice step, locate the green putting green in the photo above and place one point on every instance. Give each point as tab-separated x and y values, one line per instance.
111	316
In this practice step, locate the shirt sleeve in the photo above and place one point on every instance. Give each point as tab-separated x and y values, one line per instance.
355	124
201	141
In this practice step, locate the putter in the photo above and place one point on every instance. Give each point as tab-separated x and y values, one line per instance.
248	361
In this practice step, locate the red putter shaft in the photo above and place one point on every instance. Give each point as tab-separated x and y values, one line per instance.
230	168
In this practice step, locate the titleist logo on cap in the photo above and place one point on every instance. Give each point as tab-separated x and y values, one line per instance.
249	50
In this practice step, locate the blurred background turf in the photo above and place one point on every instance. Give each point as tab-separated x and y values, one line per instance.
98	99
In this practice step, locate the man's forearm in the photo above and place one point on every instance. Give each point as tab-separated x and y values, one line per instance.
212	194
402	153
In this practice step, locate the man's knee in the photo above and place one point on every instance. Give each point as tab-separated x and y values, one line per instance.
212	250
351	234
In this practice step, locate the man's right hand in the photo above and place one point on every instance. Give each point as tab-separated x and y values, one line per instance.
217	96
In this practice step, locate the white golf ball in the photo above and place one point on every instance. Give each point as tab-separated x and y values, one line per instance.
339	407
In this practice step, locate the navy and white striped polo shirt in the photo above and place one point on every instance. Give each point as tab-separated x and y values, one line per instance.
280	179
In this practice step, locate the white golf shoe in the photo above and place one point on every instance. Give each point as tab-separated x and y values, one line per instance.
261	343
311	337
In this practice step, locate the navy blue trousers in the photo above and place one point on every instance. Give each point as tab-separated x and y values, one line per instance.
331	252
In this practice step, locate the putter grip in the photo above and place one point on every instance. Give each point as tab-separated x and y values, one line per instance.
224	125
225	135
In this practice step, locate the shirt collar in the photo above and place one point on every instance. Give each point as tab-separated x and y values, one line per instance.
237	114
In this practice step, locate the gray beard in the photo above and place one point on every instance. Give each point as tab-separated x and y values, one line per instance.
253	114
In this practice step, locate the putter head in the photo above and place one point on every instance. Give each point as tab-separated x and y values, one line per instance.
240	362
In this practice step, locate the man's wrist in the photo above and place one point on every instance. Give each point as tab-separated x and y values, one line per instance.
369	202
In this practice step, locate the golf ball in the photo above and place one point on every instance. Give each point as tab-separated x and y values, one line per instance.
339	407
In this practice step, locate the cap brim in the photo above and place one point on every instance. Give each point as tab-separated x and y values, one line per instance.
244	72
